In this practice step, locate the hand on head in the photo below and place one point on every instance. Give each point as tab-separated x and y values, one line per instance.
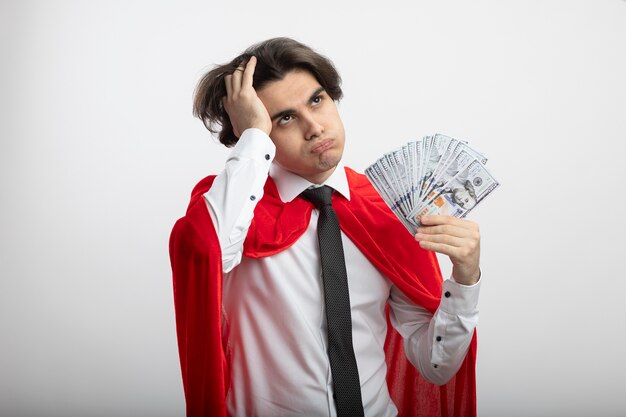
245	109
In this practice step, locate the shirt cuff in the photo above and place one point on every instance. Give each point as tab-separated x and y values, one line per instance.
458	298
254	144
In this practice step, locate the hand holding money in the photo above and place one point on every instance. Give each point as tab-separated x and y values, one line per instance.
430	185
457	238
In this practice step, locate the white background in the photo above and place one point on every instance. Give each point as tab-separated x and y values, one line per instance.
99	152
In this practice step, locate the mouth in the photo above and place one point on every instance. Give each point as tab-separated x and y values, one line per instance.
322	145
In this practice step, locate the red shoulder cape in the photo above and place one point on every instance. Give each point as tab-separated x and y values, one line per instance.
367	220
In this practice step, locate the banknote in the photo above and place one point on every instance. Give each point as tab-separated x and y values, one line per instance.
437	174
376	178
460	195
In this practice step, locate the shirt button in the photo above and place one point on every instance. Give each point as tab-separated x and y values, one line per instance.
252	198
438	338
447	294
267	156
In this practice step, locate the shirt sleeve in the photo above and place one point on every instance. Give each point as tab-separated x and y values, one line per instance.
436	344
236	191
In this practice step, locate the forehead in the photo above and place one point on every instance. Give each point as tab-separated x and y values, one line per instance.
292	91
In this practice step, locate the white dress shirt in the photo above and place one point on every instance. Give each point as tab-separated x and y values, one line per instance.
274	324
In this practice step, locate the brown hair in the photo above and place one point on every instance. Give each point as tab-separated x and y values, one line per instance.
275	58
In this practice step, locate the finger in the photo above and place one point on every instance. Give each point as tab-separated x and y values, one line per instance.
229	85
446	219
446	239
442	248
236	79
226	104
446	229
456	253
248	73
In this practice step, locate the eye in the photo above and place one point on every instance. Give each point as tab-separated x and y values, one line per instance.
285	119
317	99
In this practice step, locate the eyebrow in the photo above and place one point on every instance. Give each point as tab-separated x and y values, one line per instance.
287	112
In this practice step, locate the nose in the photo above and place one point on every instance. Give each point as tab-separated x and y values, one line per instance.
313	129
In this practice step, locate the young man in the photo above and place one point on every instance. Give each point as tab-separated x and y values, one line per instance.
249	287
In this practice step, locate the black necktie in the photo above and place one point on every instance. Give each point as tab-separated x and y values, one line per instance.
340	352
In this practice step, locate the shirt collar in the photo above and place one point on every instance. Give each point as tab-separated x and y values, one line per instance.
290	185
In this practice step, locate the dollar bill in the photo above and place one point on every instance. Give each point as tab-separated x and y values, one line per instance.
437	174
461	194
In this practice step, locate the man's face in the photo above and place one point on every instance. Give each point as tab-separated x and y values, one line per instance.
306	127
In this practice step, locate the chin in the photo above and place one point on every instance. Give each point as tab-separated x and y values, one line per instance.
330	160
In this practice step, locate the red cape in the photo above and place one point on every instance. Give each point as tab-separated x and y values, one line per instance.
367	220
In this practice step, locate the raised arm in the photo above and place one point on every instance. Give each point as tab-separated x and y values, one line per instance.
436	345
237	189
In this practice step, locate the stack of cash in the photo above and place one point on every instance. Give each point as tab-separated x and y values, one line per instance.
435	175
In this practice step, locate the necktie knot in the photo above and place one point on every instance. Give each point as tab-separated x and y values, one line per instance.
320	196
